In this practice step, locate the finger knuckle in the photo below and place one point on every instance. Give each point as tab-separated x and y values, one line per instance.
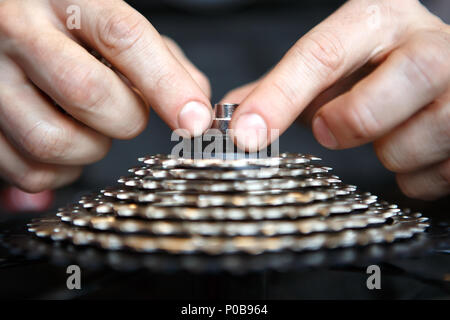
409	189
387	157
427	66
139	125
360	119
287	92
323	51
101	150
46	142
84	88
8	18
121	30
35	180
165	79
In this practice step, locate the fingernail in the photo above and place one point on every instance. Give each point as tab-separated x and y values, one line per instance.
323	134
195	117
250	131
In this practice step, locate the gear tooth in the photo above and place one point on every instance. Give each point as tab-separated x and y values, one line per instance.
214	202
222	206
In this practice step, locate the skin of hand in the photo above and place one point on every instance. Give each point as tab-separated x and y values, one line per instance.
374	71
44	64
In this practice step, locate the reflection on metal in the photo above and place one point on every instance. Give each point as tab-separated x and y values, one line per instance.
213	206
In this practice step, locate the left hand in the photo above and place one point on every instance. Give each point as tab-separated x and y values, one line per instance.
374	71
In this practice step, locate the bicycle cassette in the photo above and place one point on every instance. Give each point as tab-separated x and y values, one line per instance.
203	206
217	206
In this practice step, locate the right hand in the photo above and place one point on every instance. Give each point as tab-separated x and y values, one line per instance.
43	63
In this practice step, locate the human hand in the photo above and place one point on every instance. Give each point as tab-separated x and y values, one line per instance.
41	62
374	71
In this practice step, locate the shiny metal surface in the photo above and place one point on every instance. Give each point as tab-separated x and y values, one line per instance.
223	174
284	159
215	206
222	116
345	204
371	216
402	228
272	197
212	185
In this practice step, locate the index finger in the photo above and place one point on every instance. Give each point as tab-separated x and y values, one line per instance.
133	46
356	33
